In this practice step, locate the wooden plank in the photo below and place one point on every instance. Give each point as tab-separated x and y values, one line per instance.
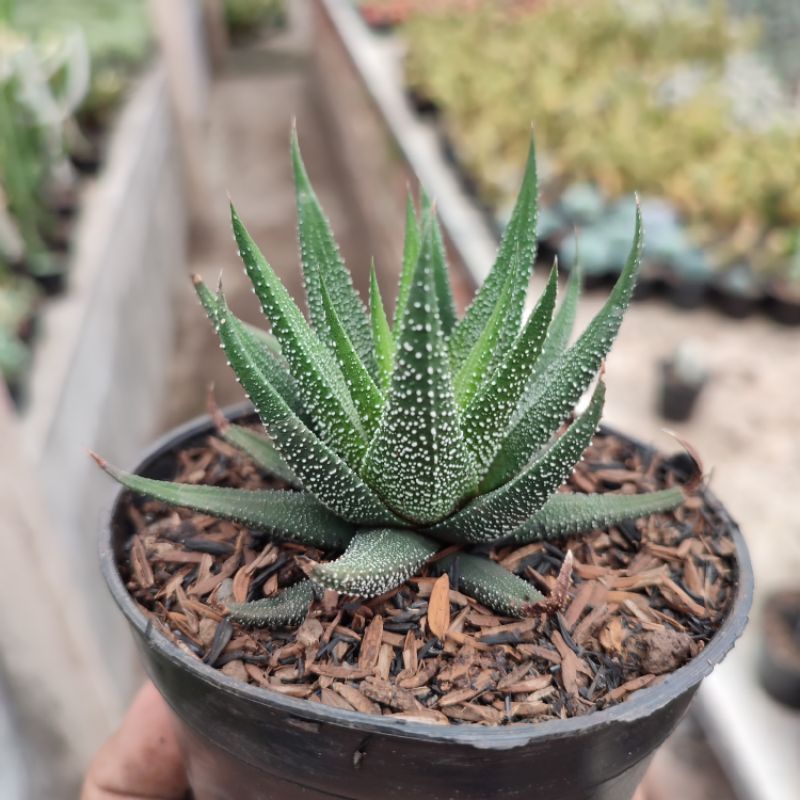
104	348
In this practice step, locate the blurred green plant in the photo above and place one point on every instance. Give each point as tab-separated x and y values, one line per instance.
42	82
246	17
118	36
661	97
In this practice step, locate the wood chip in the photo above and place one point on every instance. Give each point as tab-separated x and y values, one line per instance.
356	698
335	699
371	644
428	715
388	695
439	607
628	687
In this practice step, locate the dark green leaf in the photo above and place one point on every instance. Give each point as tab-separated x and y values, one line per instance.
293	516
441	280
365	394
487	417
571	514
561	330
375	562
320	257
418	461
498	514
382	338
273	367
323	389
519	241
286	609
321	471
568	379
411	245
491	584
474	369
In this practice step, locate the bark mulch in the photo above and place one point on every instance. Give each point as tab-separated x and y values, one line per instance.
643	599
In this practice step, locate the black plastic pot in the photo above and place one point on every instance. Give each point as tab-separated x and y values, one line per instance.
247	743
779	659
677	398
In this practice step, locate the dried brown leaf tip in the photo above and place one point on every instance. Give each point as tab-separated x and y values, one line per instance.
696	477
559	597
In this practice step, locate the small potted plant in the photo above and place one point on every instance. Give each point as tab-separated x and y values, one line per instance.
779	660
683	376
413	585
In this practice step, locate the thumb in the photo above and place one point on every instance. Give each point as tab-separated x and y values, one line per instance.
142	760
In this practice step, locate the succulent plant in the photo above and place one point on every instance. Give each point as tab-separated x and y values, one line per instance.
429	434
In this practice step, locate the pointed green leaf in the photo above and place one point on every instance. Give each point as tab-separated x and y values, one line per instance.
498	514
291	516
568	379
520	239
322	387
411	245
382	339
321	471
441	279
561	330
418	461
263	452
267	339
491	584
487	417
365	394
273	367
475	367
570	514
375	562
286	609
320	257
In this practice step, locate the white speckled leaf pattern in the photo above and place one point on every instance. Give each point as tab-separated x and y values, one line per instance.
382	338
499	513
570	377
319	255
491	584
519	240
294	516
365	394
322	387
411	245
418	461
474	369
270	364
375	562
441	279
487	417
558	335
287	608
321	471
571	514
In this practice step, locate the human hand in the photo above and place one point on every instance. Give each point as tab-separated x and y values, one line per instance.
142	760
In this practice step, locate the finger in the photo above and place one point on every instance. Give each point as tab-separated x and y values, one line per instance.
142	760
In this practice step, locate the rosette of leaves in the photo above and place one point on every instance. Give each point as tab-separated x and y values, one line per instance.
403	439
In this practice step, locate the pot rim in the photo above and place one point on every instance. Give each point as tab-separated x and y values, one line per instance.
642	703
